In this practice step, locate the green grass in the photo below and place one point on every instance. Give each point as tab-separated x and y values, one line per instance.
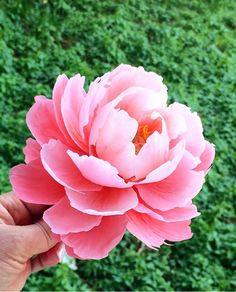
192	45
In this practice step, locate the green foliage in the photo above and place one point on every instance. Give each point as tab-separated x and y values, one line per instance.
192	45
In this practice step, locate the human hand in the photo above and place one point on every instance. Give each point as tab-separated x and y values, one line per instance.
25	246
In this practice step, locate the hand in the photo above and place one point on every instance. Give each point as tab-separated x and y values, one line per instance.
25	246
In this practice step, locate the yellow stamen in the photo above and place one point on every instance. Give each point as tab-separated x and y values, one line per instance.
141	137
145	133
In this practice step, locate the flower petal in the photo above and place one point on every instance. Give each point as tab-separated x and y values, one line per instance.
60	166
112	84
180	214
98	171
108	201
152	155
42	122
70	252
176	190
57	94
163	171
63	218
119	128
136	77
114	143
31	150
194	129
206	158
93	101
97	95
173	215
71	103
32	184
101	118
175	122
99	241
139	100
154	232
115	96
143	231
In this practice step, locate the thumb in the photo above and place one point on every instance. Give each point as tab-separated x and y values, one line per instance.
38	238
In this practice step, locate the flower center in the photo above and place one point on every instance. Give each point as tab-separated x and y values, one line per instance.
144	131
141	137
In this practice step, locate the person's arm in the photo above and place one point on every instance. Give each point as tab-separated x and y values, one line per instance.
25	246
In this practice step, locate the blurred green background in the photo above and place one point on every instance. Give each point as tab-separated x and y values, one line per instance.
192	45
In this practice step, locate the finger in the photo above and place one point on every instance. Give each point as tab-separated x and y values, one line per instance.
48	259
35	210
22	213
38	238
5	217
13	211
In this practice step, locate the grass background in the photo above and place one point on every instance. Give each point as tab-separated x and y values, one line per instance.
192	45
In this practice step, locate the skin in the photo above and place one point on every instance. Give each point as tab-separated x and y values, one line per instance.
26	243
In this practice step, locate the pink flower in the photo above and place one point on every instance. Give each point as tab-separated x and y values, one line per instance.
114	159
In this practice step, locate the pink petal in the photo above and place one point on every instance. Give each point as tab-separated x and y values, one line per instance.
173	215
176	190
119	128
98	171
96	97
71	253
119	69
31	150
152	155
180	214
93	101
72	100
60	166
189	161
109	86
57	94
115	95
32	184
63	219
42	122
108	201
124	161
101	119
99	241
163	171
136	77
175	122
136	105
142	230
206	158
194	129
114	143
154	232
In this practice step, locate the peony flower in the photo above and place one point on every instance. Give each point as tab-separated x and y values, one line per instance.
113	159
